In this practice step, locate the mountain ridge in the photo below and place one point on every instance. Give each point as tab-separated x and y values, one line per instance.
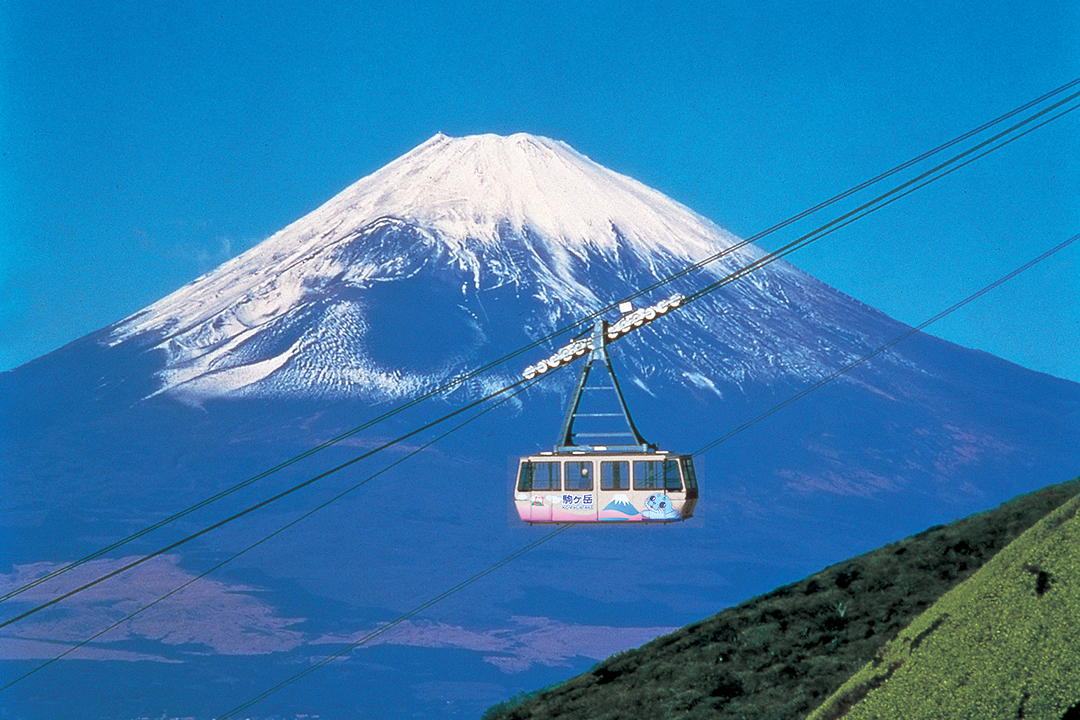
779	655
106	435
461	216
1000	644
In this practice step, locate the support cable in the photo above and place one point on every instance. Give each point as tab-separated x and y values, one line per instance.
890	197
262	540
375	633
395	622
853	190
456	382
252	508
700	451
846	219
911	331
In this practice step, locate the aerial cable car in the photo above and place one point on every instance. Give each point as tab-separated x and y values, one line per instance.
602	469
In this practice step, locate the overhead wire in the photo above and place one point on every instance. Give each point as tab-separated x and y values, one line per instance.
252	508
892	196
862	186
420	608
458	381
446	387
275	533
395	622
854	215
882	348
863	210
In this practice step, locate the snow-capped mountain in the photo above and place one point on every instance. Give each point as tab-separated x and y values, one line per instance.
447	236
444	260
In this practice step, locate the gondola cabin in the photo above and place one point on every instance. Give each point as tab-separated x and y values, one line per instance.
601	469
609	487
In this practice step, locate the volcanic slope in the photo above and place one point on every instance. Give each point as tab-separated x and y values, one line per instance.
482	242
777	656
1003	644
453	255
466	249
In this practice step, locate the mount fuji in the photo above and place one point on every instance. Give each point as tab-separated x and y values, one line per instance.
474	227
456	254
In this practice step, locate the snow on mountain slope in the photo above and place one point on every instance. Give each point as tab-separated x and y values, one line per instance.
425	269
473	239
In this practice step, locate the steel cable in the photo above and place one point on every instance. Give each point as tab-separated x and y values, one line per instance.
863	210
401	618
264	539
850	217
908	333
252	508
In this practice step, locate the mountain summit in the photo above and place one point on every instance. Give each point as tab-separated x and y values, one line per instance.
459	229
476	190
457	253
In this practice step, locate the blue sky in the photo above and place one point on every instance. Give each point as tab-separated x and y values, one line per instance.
146	142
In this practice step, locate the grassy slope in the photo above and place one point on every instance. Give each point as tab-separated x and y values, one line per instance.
1004	644
780	655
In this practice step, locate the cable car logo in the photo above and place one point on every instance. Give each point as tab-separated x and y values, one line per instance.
577	502
658	507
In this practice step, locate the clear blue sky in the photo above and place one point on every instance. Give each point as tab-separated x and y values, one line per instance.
146	142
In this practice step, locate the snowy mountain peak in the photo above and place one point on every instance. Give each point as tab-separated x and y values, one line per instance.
472	188
500	238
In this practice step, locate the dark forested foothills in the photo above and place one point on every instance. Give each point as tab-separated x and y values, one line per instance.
778	656
999	645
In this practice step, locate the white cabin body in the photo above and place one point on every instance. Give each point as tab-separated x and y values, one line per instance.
605	487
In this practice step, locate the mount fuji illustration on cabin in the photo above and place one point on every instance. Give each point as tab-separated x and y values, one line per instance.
456	254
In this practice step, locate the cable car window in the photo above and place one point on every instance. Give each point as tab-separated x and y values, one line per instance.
525	477
672	481
614	474
688	470
579	475
657	475
647	474
538	476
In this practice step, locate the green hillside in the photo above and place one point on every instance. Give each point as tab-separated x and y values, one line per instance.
1004	644
782	654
